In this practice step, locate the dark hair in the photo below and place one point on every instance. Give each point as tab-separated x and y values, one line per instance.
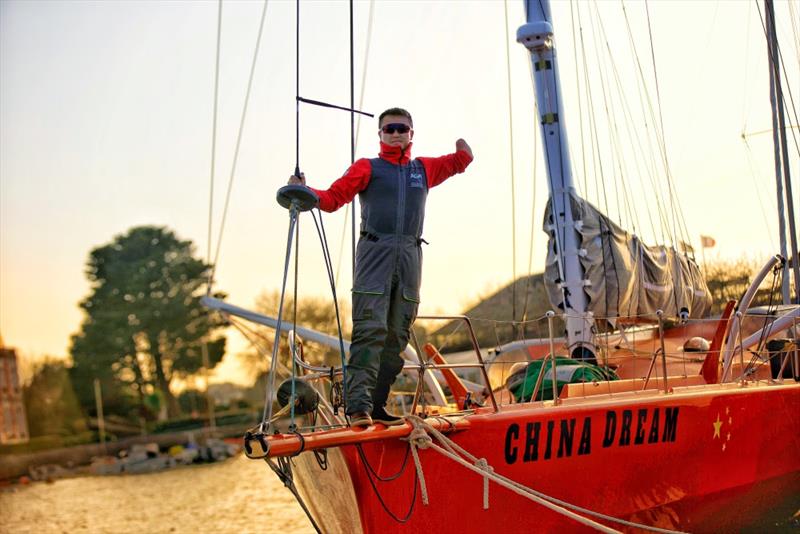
396	111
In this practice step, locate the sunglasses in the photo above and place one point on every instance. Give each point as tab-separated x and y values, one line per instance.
396	127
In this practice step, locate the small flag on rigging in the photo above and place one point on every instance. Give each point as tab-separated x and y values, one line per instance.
707	241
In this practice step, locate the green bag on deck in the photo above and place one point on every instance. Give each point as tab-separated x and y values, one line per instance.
568	371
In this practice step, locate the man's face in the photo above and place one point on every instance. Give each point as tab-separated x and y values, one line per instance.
390	131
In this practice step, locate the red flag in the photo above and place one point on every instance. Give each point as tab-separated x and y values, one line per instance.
707	241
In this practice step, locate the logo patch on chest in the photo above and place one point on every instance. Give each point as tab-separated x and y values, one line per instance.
415	180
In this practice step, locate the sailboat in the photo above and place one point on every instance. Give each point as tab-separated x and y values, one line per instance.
542	444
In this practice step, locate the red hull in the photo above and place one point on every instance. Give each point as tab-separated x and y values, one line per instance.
662	450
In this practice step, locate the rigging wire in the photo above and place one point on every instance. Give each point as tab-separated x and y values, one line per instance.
795	31
341	243
604	231
608	113
347	211
292	425
323	238
352	97
294	232
385	506
614	134
371	469
590	107
295	223
580	104
654	174
679	230
647	110
513	188
633	138
529	281
210	281
644	160
267	415
745	85
352	143
283	469
600	173
239	136
597	153
782	66
659	128
618	142
297	90
250	334
757	189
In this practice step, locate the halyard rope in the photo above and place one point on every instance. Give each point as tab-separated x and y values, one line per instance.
422	436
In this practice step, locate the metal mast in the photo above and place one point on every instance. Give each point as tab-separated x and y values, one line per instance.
537	36
781	153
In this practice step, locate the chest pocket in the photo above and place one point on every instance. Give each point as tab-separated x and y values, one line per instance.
416	180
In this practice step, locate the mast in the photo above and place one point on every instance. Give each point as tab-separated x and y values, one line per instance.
781	152
537	36
776	142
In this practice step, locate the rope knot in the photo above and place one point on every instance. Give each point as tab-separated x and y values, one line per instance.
488	471
483	465
419	438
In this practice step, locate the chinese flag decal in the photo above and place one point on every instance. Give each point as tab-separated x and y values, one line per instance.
722	428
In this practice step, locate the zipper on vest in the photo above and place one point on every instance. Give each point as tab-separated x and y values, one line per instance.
401	201
401	211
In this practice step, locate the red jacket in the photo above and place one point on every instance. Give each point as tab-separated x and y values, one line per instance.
358	175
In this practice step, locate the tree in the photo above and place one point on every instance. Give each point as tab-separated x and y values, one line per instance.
193	402
144	323
728	280
316	313
50	402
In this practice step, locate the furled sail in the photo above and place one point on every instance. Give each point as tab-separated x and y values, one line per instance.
623	276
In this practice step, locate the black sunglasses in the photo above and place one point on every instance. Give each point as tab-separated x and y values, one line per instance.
395	127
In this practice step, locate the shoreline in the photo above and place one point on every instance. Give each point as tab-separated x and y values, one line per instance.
18	465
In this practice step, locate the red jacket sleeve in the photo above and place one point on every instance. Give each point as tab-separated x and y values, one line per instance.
440	169
345	188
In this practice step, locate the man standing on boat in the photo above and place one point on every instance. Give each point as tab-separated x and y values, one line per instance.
392	190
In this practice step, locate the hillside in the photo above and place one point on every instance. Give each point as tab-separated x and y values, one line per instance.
525	300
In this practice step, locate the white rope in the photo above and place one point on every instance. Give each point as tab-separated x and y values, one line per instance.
419	438
488	470
481	467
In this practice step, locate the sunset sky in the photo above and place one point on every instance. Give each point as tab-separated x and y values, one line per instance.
106	123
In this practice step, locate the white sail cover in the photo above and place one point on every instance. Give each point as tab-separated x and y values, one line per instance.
623	276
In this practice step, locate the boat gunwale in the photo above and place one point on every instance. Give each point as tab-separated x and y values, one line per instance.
289	444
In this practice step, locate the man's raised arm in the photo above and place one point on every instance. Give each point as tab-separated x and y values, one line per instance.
441	168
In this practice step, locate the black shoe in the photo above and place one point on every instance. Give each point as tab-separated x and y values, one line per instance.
360	419
379	415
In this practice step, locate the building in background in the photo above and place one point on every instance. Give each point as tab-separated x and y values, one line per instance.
13	423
